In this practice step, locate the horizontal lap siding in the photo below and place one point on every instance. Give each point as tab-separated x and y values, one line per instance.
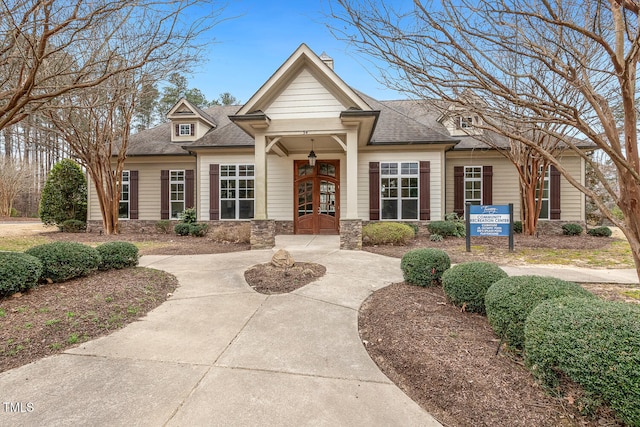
148	186
305	97
280	191
435	177
203	175
506	182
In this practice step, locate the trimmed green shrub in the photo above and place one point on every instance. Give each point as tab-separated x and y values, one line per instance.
189	216
65	260
447	228
572	229
510	300
18	272
163	226
387	233
414	227
424	267
182	229
593	342
117	255
517	227
73	226
64	195
436	238
599	232
198	230
466	284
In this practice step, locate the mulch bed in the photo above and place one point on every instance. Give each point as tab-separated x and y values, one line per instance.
53	317
269	279
446	361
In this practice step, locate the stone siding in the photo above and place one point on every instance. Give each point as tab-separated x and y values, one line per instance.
263	234
351	234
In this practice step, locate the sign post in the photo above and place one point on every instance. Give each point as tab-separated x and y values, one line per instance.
489	220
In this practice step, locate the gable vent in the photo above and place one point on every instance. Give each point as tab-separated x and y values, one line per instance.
327	60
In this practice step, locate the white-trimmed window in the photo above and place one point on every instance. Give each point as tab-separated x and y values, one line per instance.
399	187
544	211
176	193
237	191
465	122
125	196
185	129
473	185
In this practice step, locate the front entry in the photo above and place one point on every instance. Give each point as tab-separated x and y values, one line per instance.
316	197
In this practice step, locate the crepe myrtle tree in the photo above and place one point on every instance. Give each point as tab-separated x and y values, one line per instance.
139	45
563	68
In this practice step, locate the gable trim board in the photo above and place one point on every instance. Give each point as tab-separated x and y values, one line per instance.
305	105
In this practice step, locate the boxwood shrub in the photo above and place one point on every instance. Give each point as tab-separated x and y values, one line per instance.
446	228
117	255
593	342
517	227
424	267
198	230
599	232
466	284
387	233
182	229
65	260
18	272
509	301
572	229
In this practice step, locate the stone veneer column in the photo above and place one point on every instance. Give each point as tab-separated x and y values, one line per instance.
351	234
263	233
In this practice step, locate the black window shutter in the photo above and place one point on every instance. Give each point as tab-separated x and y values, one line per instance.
554	193
164	194
189	189
133	194
458	190
487	185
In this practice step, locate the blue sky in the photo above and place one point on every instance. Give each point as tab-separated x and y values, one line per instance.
249	48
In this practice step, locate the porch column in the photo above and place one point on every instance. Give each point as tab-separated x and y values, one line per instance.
352	174
260	171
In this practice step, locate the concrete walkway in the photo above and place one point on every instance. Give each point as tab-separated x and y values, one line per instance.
218	353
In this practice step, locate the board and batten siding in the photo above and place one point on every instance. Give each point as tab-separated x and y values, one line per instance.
435	159
505	182
305	97
202	181
148	185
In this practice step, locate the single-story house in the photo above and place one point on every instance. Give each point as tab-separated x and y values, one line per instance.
307	154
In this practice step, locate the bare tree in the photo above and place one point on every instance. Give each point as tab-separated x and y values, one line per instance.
146	44
578	66
15	178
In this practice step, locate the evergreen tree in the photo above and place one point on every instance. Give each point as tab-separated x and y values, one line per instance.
64	195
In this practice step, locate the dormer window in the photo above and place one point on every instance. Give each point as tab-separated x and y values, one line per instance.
185	129
465	122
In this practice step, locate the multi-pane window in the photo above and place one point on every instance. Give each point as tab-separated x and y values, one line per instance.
176	193
544	211
399	190
185	129
465	122
237	191
473	185
123	209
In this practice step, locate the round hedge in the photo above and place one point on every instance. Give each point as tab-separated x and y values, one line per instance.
117	255
385	233
509	301
466	284
424	267
18	272
65	260
595	343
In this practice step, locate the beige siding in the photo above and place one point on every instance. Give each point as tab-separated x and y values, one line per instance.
148	184
204	160
305	97
505	182
434	157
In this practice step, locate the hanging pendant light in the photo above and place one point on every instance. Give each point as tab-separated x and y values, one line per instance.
312	155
